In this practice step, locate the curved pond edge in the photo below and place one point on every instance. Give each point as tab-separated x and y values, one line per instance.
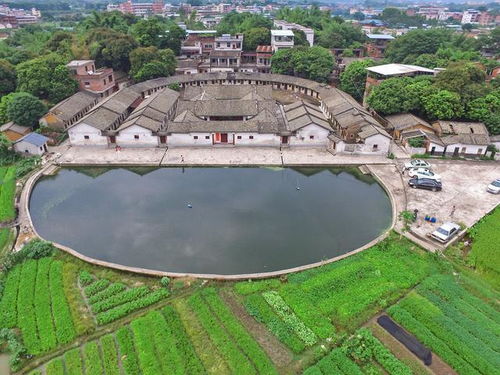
24	211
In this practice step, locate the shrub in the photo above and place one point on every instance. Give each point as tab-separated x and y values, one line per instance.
16	348
165	281
86	278
35	249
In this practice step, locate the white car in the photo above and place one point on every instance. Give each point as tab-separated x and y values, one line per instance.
417	163
445	232
494	187
424	173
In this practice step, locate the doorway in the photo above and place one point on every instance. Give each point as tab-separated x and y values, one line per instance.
223	138
455	152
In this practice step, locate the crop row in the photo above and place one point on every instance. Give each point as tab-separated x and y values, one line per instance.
145	345
429	339
336	362
92	359
8	309
130	362
110	355
26	320
482	331
7	192
46	329
96	287
382	355
107	293
251	287
289	318
475	352
239	334
236	360
65	330
73	362
120	298
122	310
55	367
262	312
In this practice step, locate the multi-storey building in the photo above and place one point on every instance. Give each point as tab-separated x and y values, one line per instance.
377	44
284	25
99	81
470	16
139	8
281	39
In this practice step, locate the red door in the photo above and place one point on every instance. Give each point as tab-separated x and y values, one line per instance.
284	139
112	139
163	139
223	138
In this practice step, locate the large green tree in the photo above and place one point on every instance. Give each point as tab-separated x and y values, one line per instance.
353	78
110	48
4	105
173	39
148	32
7	77
47	78
151	62
340	35
390	96
442	105
487	110
314	63
234	22
25	109
256	36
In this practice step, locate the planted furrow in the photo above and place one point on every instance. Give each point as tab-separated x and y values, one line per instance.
236	360
65	330
92	359
96	287
8	304
55	367
145	347
109	355
130	362
244	340
43	310
107	293
119	299
25	308
73	362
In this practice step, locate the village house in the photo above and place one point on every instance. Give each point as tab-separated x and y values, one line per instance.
13	132
98	81
70	110
281	39
377	44
459	139
403	123
284	25
31	144
226	53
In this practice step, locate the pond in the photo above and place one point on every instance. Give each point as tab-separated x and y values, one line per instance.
210	220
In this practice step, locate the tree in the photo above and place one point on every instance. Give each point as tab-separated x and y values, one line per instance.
4	104
359	16
60	42
314	63
467	27
7	78
25	109
409	46
47	78
487	110
390	96
255	37
353	78
150	62
150	70
442	105
300	39
340	35
233	23
110	48
173	39
458	76
148	32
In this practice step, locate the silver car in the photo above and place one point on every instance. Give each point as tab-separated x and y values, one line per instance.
446	232
494	187
424	173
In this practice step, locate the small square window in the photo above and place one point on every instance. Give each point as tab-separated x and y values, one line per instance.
207	137
250	137
195	137
136	136
311	137
238	137
86	137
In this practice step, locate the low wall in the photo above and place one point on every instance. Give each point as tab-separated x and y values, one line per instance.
144	271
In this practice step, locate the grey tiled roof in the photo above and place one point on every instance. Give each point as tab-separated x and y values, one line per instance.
406	120
70	107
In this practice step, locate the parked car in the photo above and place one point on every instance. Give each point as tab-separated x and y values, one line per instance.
494	187
425	183
445	232
417	163
424	173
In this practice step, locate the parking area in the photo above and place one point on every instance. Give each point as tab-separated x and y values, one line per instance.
463	200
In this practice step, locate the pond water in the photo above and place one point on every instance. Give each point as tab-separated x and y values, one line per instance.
210	220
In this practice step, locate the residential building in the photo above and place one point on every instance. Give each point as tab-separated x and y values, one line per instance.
13	132
139	9
459	139
264	54
197	45
281	39
226	53
377	44
400	123
470	16
98	81
284	25
70	110
31	144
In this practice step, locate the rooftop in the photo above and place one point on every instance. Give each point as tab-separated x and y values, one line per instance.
34	139
281	32
396	69
380	36
75	63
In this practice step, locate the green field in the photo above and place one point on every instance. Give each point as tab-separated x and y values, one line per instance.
75	318
7	193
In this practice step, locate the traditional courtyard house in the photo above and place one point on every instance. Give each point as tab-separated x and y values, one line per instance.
145	127
99	81
13	132
307	125
97	128
281	39
405	122
377	44
457	138
70	110
31	144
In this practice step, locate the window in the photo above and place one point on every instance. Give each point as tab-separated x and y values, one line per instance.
375	147
250	137
238	137
110	78
104	80
207	137
87	84
86	137
136	136
311	137
195	137
463	150
480	151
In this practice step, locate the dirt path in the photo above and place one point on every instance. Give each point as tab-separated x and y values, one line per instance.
274	349
438	366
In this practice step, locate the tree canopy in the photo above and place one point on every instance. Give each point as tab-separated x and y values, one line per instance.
233	23
151	62
256	36
353	78
25	109
7	77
